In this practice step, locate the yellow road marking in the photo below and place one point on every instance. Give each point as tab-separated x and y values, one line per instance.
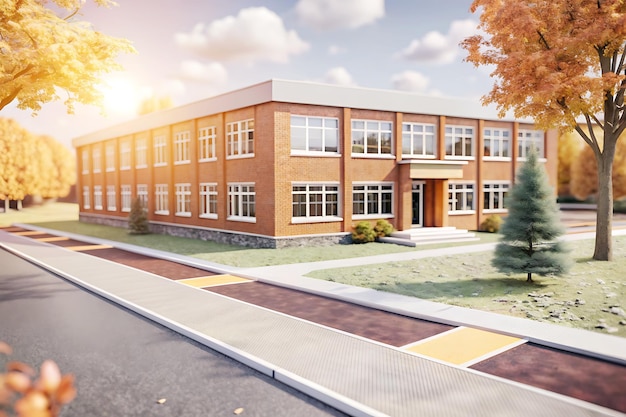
29	233
52	239
464	345
88	247
202	282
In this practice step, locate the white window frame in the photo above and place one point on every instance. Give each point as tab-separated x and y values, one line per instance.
160	150
109	158
463	133
85	159
500	140
323	130
97	197
111	198
495	191
367	130
142	195
206	144
526	138
305	189
141	153
124	155
161	199
459	190
373	192
240	139
413	132
126	197
208	200
96	156
242	202
86	198
183	200
182	142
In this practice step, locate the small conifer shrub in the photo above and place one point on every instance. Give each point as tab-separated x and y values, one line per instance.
138	219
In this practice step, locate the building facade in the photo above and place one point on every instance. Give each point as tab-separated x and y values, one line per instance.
286	163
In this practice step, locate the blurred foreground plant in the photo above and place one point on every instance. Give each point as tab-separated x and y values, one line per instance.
24	394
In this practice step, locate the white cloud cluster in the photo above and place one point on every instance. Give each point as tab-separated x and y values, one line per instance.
337	14
412	81
438	48
339	76
213	73
255	34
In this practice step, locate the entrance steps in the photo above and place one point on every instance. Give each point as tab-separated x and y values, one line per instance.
429	236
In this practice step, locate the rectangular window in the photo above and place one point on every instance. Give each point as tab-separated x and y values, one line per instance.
374	200
495	196
208	200
315	202
183	200
86	198
314	134
526	139
160	151
371	137
141	153
97	163
85	161
142	195
497	143
124	155
181	147
240	138
161	198
206	143
459	141
110	157
111	204
418	140
460	198
97	197
126	196
241	202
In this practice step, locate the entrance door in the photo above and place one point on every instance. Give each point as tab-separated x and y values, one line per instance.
418	204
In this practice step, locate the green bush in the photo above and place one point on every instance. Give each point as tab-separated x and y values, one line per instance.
138	219
363	233
383	228
619	206
491	224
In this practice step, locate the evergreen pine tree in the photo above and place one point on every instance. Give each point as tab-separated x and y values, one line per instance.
138	219
529	242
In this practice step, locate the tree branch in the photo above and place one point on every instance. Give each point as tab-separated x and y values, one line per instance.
543	40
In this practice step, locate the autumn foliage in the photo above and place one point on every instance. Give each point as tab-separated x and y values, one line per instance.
29	395
560	62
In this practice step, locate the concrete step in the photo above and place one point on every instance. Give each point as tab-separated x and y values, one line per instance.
429	235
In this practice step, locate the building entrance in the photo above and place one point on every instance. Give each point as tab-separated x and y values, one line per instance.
418	204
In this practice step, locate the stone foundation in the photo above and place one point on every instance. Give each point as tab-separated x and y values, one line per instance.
226	237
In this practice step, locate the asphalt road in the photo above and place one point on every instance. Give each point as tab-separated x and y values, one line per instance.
124	363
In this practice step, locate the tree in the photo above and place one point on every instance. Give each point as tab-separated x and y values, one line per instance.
558	61
530	232
155	103
44	54
138	219
17	161
584	173
569	149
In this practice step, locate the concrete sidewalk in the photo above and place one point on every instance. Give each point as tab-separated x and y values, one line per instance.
355	375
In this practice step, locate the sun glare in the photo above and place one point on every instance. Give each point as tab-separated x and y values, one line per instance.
121	96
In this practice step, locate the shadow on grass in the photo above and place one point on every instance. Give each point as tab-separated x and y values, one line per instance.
488	287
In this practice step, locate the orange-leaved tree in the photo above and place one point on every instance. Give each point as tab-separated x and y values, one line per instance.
569	149
560	61
46	54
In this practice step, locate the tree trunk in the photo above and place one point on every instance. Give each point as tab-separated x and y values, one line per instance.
604	215
529	277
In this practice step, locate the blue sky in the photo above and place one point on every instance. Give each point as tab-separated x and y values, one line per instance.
193	49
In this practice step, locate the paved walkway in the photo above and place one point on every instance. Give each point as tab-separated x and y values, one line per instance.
356	374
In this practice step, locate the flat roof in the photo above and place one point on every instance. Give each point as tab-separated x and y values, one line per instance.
301	92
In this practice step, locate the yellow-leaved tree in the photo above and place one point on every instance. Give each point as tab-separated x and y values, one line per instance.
559	61
47	53
569	149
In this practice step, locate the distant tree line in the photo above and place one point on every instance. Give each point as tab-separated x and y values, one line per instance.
33	165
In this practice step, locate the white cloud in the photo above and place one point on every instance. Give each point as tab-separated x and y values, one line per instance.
340	76
337	14
256	33
410	81
438	48
336	50
213	72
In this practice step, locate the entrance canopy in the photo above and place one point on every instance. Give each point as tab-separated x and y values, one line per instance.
435	169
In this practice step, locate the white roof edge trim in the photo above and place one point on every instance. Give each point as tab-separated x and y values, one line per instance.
301	92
